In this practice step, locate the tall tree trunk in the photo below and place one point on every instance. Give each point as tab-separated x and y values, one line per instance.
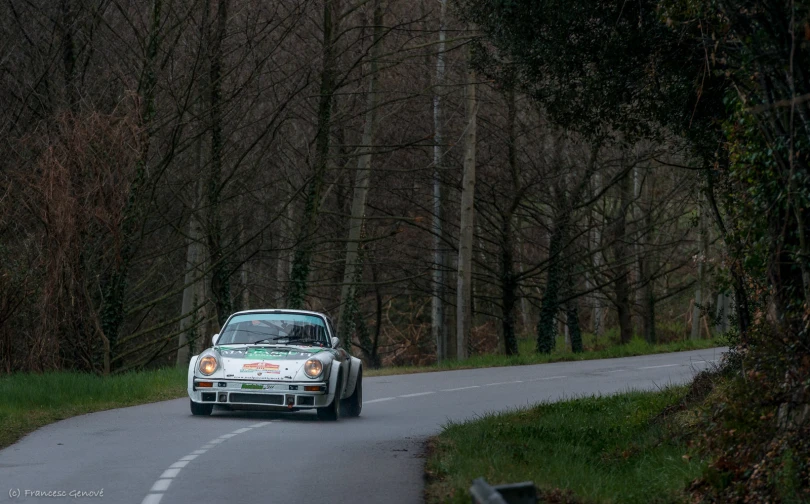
620	271
645	298
638	249
549	306
220	280
572	320
362	180
699	299
302	258
509	283
437	328
192	292
597	260
467	227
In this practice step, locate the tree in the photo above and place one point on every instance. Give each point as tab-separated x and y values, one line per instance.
465	247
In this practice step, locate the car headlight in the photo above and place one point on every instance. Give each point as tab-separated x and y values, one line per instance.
208	365
313	368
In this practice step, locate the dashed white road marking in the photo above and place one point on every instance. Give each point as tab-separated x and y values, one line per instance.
616	371
417	394
499	383
547	378
379	400
461	388
152	498
162	484
170	473
661	366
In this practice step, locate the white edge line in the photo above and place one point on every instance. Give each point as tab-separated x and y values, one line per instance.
663	365
228	436
547	378
242	431
260	424
499	383
417	394
379	400
461	388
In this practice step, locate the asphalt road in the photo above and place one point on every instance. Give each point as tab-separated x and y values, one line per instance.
159	453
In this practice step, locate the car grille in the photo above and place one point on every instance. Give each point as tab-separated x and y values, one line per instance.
257	398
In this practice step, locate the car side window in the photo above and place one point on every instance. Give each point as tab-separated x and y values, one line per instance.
331	328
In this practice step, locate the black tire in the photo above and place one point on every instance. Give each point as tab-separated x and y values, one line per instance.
201	409
353	404
331	413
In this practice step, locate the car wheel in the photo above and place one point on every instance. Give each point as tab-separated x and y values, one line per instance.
202	409
332	412
353	404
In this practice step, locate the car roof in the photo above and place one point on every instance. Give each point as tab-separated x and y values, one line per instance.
281	310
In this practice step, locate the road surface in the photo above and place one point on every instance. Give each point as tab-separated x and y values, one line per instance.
159	453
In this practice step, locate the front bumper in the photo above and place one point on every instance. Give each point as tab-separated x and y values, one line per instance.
275	395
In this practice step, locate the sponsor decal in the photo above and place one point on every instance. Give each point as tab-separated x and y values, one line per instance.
256	386
260	367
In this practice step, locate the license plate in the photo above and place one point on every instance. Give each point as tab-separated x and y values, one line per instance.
252	386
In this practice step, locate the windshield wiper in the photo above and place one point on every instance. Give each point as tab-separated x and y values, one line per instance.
266	340
299	340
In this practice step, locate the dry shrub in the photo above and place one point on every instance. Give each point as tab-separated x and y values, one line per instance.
73	181
484	338
756	427
407	340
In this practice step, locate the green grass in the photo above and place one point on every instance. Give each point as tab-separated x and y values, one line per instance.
598	449
529	356
30	401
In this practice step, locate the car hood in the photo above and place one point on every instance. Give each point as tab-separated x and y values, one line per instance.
269	362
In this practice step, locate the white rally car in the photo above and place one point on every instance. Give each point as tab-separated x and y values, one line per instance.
283	360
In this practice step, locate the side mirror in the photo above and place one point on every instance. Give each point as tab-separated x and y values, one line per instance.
214	339
335	342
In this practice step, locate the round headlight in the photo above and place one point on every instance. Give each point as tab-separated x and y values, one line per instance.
313	368
208	365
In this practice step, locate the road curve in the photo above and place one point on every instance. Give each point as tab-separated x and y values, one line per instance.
159	453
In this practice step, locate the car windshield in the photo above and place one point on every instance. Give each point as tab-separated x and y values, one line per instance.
271	328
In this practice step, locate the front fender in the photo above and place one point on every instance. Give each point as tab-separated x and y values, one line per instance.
354	371
334	374
192	363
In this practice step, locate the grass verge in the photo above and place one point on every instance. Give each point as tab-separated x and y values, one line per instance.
528	356
610	449
33	400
